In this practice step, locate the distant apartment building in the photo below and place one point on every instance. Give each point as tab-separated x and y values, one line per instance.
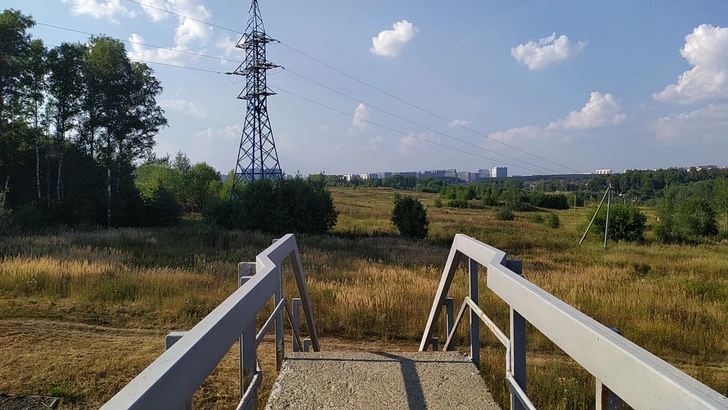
451	173
350	177
364	176
606	171
464	175
483	173
499	172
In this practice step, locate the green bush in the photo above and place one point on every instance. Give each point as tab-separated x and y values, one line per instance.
438	203
409	216
626	223
552	221
162	208
505	213
458	203
288	206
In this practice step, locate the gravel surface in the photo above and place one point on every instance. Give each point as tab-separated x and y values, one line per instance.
376	380
27	403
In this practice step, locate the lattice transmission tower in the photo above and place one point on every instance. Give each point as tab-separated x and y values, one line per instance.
257	155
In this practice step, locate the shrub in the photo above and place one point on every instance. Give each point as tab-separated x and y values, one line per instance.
162	208
505	213
626	223
552	221
290	205
438	203
458	203
409	216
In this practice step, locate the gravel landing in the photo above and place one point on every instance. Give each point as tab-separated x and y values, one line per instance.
363	380
28	403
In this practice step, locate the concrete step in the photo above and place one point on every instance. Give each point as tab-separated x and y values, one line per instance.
374	380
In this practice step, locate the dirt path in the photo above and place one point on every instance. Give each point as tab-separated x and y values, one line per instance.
86	365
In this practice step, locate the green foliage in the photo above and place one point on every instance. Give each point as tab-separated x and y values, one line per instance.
291	205
505	213
438	203
409	216
553	221
688	214
162	208
550	201
626	223
458	203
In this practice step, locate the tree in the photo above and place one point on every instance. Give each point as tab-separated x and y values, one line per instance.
14	49
127	116
35	84
199	183
626	223
66	88
409	216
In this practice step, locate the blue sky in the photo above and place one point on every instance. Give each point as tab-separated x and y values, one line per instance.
542	87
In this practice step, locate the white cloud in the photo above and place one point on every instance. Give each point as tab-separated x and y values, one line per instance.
705	125
459	123
361	115
189	35
227	45
601	110
375	142
229	133
412	143
389	43
520	134
184	105
100	9
547	51
707	50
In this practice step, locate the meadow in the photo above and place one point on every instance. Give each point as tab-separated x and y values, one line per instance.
81	313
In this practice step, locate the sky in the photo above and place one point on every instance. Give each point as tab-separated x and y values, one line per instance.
541	87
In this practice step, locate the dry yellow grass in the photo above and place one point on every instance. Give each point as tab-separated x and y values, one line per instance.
365	283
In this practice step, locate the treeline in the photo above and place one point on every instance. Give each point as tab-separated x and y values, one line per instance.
73	120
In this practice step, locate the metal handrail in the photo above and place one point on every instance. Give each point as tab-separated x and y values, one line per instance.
173	378
637	376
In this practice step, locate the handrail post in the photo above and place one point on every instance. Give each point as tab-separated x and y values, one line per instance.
518	343
295	307
169	341
278	296
248	362
450	313
474	319
605	398
248	354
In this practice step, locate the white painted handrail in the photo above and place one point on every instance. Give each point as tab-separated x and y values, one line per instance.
170	381
640	378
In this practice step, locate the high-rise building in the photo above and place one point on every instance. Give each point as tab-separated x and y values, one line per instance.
499	172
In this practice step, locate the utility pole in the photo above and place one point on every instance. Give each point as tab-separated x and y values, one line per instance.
257	155
608	196
609	203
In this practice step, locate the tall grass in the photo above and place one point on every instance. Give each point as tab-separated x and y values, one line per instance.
367	282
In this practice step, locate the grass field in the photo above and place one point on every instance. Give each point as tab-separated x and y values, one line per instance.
105	299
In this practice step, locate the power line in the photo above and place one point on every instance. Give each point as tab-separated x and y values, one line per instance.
185	17
366	84
143	44
418	124
396	130
423	109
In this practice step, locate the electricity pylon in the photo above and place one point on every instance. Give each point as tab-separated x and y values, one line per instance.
257	155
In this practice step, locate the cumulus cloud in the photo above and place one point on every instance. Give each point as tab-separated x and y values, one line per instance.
546	51
705	125
361	115
375	142
413	143
520	134
459	123
706	49
189	35
389	43
99	9
229	133
185	106
601	110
